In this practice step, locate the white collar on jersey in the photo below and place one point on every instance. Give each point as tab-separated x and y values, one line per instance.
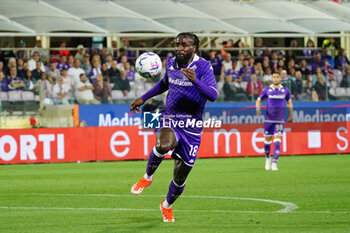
278	88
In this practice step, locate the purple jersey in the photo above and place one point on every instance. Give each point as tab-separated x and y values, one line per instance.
276	102
184	97
186	100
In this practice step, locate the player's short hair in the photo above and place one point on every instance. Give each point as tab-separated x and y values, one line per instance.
191	35
276	73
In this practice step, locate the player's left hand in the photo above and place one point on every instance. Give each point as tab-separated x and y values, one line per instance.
290	119
189	73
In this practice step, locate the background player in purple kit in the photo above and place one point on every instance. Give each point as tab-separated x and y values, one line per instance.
191	82
276	97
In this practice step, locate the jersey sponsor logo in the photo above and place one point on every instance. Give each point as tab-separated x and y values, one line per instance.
180	82
277	96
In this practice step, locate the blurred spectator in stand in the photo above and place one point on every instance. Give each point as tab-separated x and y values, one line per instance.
29	83
47	86
113	72
43	53
281	65
291	64
11	63
36	73
60	92
130	72
259	49
8	53
310	52
332	44
104	72
121	64
328	70
233	93
240	59
216	64
246	70
75	71
258	71
254	87
109	59
84	91
266	63
317	63
267	79
103	55
327	57
341	61
53	72
102	91
21	70
345	82
298	85
243	49
310	94
62	51
2	69
288	82
306	73
226	64
122	84
86	65
70	61
62	63
32	62
80	53
21	53
274	61
293	54
129	53
4	82
314	77
96	69
235	75
68	82
114	50
320	88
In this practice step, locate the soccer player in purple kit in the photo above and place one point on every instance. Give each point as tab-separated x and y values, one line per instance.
276	97
191	82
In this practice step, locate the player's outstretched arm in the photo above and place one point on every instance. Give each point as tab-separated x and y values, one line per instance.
135	106
258	106
290	109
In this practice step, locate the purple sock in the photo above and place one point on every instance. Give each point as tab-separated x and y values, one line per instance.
267	147
174	192
155	158
276	150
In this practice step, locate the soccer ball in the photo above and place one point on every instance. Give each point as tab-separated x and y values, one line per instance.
148	65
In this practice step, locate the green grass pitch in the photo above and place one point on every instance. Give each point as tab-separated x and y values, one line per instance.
95	197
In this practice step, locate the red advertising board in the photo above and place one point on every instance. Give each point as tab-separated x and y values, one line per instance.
130	142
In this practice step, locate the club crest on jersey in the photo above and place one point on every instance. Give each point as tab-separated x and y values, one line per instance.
283	90
193	67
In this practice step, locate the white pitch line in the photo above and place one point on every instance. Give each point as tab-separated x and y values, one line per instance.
156	210
288	206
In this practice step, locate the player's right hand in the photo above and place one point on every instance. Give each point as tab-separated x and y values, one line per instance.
135	106
258	112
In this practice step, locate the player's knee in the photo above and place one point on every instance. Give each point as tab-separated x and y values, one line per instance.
163	148
180	181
